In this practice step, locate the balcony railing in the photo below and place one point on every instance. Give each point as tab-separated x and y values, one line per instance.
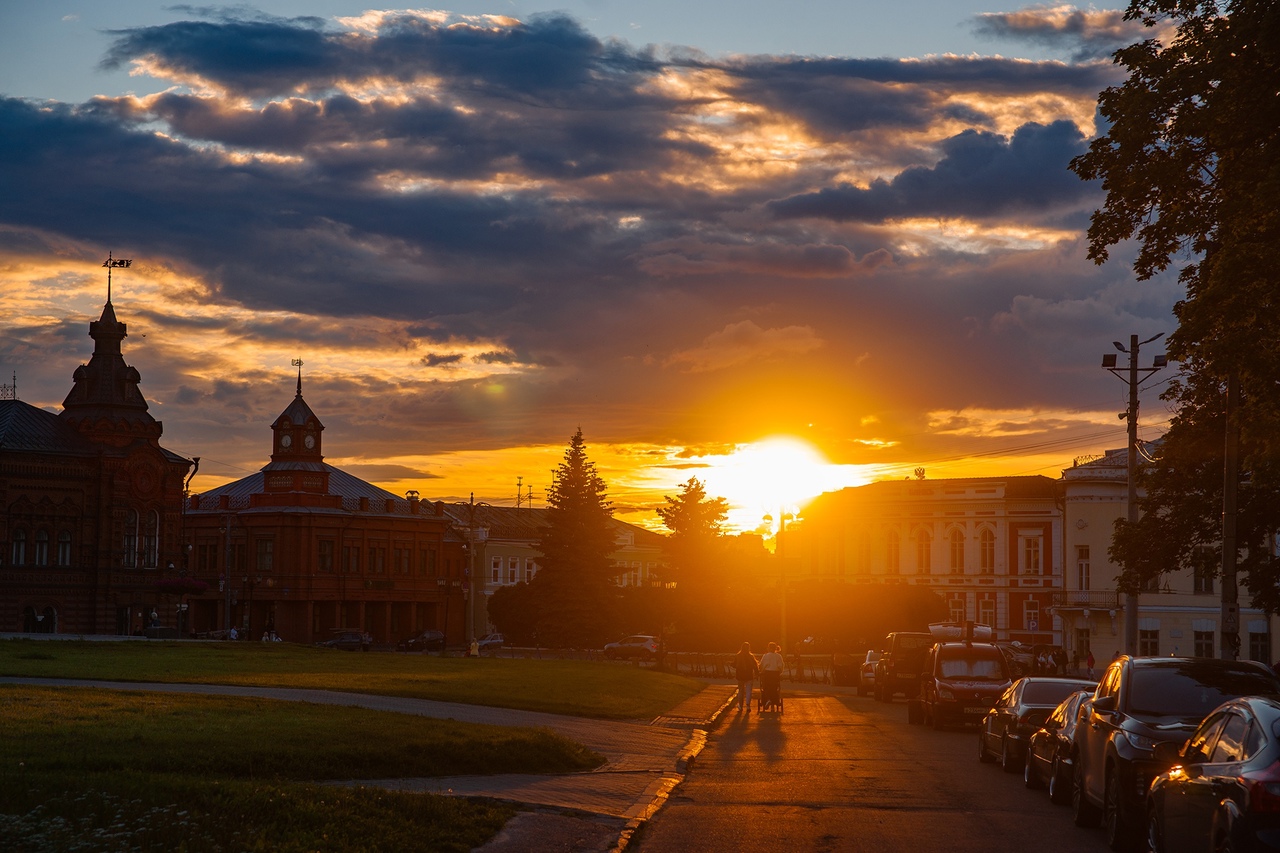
1086	599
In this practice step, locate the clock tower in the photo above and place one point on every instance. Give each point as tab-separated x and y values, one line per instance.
297	464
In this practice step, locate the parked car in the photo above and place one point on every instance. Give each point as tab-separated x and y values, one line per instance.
959	684
1017	715
867	673
490	643
1224	792
1049	756
640	646
1142	702
348	641
901	658
427	641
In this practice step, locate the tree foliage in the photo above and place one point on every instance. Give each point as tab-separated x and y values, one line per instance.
574	591
1190	164
695	548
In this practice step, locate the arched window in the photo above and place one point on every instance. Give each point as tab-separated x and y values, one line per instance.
64	548
893	552
924	551
956	543
42	548
131	539
19	548
151	541
862	553
987	551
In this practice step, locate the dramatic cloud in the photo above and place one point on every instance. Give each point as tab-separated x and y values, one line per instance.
482	232
1082	33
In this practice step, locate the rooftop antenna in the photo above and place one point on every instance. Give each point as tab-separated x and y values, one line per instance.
297	362
519	489
114	264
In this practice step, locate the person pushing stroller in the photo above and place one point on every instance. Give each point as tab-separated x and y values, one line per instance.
771	666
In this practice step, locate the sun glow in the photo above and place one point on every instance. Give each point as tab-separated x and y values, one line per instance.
774	476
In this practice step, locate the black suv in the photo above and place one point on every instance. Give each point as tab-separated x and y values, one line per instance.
901	659
959	684
1140	703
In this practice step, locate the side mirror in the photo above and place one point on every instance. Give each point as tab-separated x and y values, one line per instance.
1168	753
1105	704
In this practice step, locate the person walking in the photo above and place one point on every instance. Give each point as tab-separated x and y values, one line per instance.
771	666
1088	662
745	667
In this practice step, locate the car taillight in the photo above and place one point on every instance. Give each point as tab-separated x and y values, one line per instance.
1263	787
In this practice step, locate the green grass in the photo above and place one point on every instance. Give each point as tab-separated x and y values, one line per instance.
90	770
597	689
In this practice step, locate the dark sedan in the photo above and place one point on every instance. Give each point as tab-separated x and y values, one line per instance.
348	641
427	641
1018	713
1049	749
1224	792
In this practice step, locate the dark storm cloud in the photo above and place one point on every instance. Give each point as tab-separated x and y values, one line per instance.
980	175
1083	34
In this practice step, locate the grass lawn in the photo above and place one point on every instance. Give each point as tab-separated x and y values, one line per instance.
95	771
604	690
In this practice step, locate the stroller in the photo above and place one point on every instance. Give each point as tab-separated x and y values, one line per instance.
770	691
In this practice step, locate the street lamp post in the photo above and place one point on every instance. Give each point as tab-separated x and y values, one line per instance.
1131	377
780	553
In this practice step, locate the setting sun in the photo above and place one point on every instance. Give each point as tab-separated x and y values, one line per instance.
777	474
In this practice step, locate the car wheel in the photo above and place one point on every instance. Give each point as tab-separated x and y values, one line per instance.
1117	824
983	756
1083	812
1030	779
1059	783
1006	754
1155	840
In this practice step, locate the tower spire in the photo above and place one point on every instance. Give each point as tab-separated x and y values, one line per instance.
297	362
114	263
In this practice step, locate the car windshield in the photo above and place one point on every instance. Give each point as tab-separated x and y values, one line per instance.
1048	692
1194	688
909	643
974	667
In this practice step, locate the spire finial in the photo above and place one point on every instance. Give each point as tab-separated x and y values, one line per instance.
114	263
297	362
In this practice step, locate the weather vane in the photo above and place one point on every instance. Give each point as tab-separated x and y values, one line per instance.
297	362
114	264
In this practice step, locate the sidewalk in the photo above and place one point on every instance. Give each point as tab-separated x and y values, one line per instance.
643	762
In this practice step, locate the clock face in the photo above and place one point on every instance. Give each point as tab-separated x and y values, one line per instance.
286	441
310	442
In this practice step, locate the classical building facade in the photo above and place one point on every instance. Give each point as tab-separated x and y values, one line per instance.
988	546
90	504
304	549
1177	615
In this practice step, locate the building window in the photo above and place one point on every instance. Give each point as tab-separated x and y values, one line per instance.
1202	644
1030	550
427	561
530	568
957	552
987	549
131	539
351	559
1082	566
151	541
1203	571
862	553
955	608
987	612
19	548
239	557
42	548
377	559
1260	646
265	549
402	560
1148	642
64	548
924	551
324	555
893	552
1031	615
1082	644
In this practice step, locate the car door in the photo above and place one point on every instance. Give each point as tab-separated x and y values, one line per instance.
1175	820
1099	729
1208	782
1004	714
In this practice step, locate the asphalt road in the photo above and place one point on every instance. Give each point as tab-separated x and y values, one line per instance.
843	773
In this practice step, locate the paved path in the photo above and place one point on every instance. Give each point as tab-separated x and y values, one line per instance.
644	762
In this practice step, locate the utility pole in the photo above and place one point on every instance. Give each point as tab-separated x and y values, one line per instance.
1230	615
1131	378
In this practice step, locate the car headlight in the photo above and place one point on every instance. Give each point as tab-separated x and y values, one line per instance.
944	693
1142	742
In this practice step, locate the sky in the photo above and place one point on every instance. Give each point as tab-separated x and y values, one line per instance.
784	248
